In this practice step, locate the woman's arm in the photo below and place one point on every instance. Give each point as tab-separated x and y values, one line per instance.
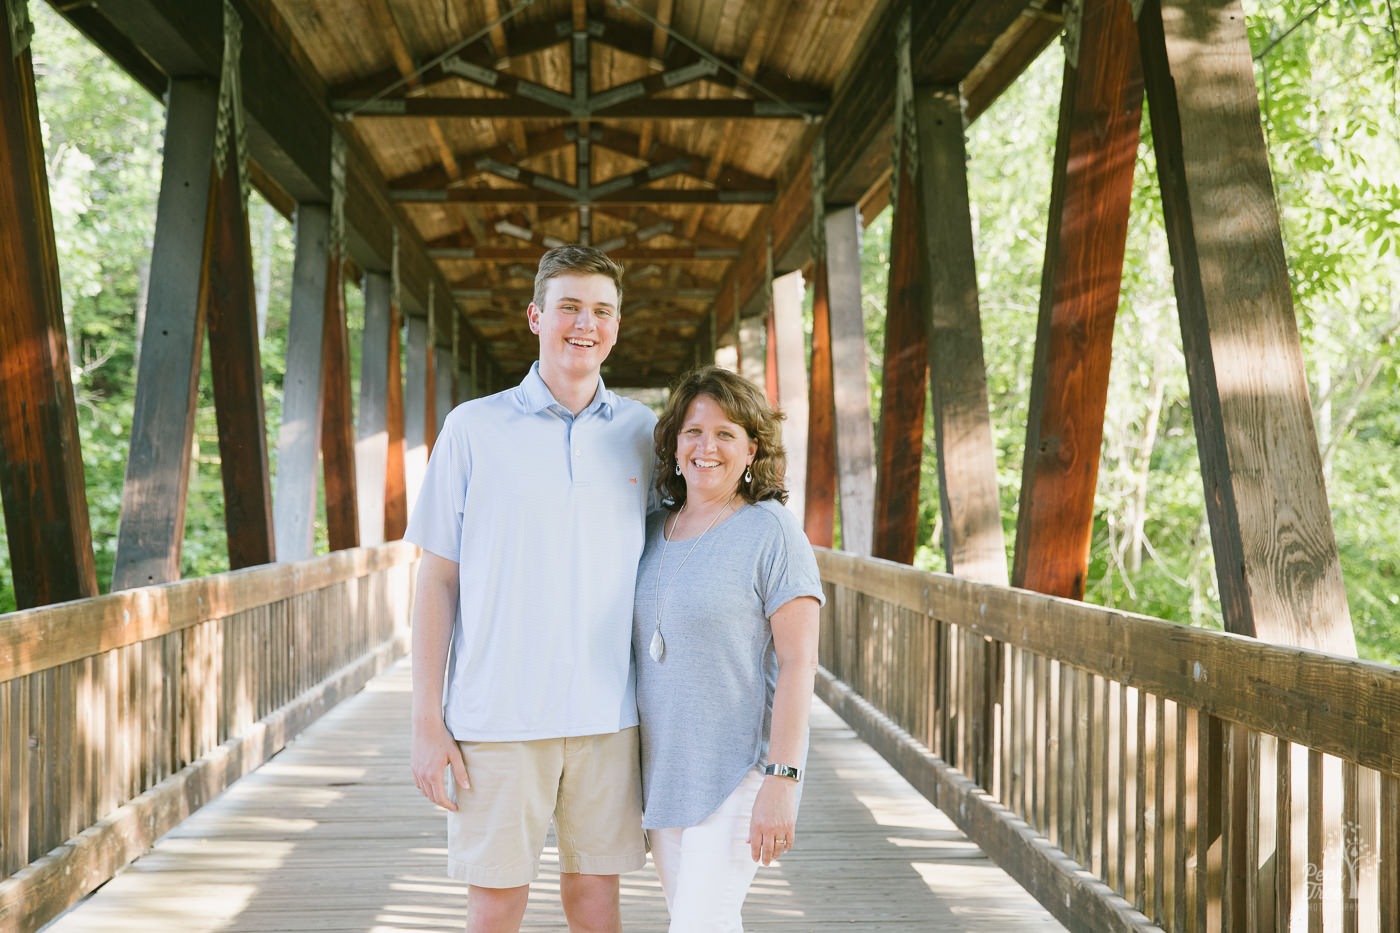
773	826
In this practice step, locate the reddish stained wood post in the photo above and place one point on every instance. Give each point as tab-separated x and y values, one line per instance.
904	384
41	470
235	364
819	515
1100	121
395	488
338	428
1275	551
770	360
156	489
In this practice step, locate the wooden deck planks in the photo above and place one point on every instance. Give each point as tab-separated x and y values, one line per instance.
330	836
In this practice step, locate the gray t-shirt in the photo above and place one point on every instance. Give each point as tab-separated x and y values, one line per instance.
706	706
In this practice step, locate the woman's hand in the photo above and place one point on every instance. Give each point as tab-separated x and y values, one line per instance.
773	827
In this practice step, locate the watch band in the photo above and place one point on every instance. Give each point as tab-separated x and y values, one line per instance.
784	771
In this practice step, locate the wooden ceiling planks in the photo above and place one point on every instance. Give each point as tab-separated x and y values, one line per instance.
681	180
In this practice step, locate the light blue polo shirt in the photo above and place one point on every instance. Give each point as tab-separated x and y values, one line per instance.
545	513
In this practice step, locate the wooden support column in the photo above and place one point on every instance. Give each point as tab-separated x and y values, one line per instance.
372	429
972	535
395	486
294	507
819	516
444	369
156	490
41	467
973	541
235	363
904	391
1100	120
1275	551
850	371
791	370
338	427
415	406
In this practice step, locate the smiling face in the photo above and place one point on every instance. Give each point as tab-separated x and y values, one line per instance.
577	326
712	450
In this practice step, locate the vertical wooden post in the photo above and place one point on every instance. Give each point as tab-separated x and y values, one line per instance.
372	429
235	369
792	382
443	403
294	507
819	515
973	538
415	405
156	490
338	428
1100	119
430	379
41	470
850	372
395	487
1275	551
904	383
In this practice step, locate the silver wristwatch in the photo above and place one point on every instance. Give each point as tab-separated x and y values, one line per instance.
784	771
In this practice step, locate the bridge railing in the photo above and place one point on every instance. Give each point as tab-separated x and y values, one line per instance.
1131	773
121	715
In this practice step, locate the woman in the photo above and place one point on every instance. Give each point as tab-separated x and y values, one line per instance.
725	636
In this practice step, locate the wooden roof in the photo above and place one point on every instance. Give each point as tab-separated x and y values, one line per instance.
674	133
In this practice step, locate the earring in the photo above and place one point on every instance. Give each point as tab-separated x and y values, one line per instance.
748	473
678	468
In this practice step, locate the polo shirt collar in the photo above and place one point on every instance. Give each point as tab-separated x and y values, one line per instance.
535	396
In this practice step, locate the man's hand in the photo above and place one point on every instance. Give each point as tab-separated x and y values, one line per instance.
434	751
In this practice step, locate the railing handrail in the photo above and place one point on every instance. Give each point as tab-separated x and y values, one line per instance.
1342	706
33	640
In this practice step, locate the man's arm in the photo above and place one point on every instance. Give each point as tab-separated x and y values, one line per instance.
434	610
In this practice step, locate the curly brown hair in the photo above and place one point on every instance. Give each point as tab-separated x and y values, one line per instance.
743	404
576	260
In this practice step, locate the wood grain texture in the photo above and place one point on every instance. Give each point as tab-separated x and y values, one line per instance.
395	483
973	541
152	526
372	425
1091	190
904	387
337	415
41	468
235	369
1275	552
819	516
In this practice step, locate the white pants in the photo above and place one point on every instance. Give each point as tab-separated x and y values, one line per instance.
706	869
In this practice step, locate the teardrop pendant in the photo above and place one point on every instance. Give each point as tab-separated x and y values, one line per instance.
658	646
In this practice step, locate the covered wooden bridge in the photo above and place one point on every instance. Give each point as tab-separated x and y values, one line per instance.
1130	773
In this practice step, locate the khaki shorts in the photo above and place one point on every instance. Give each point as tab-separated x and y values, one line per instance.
590	786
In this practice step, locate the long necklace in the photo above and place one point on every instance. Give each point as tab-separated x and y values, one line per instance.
657	650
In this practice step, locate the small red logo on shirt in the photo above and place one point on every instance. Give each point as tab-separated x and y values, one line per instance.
632	480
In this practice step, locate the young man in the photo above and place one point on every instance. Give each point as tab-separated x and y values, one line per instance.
531	523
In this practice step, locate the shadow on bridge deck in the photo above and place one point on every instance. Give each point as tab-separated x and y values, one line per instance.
331	836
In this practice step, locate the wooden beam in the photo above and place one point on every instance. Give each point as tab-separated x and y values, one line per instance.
337	418
972	534
819	517
156	489
235	369
395	483
685	196
529	108
372	426
415	407
299	442
790	368
1275	551
1091	191
41	467
904	385
855	454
